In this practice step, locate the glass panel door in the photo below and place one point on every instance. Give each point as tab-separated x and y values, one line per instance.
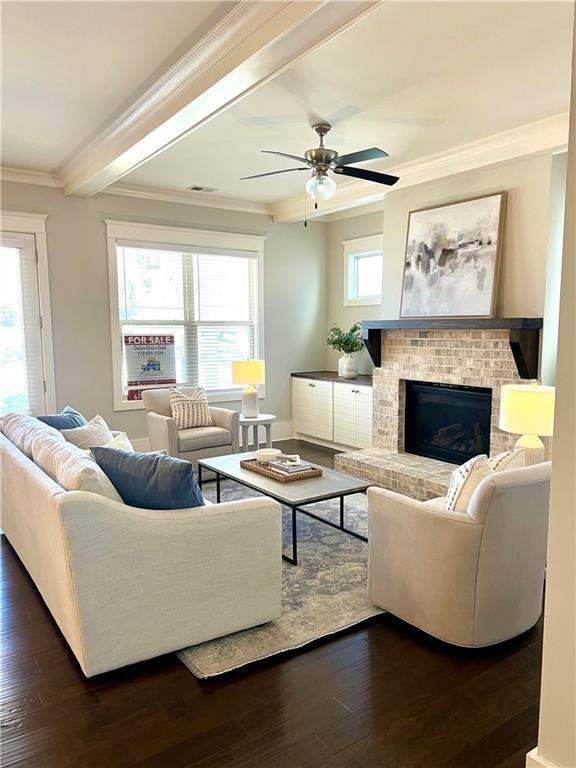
21	364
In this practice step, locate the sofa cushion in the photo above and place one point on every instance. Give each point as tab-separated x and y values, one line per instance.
66	419
22	430
465	479
203	437
93	434
71	468
150	481
191	409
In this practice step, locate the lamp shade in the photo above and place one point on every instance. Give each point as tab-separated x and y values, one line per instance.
248	371
527	409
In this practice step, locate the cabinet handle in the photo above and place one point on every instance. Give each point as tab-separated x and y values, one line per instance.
311	385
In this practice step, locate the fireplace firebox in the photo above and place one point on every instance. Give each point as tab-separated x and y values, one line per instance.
447	422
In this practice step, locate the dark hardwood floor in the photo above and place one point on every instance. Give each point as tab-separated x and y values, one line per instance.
384	695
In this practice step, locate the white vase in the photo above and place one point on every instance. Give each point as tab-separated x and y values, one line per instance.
347	368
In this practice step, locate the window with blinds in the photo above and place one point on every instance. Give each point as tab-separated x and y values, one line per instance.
22	380
203	300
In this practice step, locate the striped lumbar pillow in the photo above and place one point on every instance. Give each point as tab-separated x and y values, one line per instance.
464	482
508	460
190	410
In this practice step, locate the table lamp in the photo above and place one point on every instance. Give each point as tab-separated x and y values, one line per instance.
528	410
250	373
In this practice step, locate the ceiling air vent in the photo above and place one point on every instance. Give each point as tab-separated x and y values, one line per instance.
200	188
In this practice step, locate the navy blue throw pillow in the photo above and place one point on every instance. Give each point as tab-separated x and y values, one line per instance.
150	480
69	418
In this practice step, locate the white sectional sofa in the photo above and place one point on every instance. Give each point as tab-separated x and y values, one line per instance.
126	584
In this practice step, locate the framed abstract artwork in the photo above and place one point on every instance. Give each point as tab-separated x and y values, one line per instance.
452	259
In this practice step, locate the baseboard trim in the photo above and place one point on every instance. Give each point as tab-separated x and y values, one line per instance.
325	443
534	760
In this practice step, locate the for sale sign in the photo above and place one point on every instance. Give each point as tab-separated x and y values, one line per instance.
150	361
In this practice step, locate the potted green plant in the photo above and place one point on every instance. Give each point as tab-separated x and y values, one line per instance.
347	342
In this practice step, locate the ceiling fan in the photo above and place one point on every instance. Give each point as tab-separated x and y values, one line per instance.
320	186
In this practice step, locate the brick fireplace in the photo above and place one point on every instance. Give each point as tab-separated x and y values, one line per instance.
468	357
479	357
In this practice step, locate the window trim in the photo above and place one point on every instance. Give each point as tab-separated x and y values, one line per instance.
189	238
35	224
360	246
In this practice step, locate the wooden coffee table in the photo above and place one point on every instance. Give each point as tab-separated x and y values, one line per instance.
296	495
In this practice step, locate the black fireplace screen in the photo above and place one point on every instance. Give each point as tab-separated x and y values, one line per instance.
447	422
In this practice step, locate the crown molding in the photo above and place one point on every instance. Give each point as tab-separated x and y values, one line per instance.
253	43
187	198
39	178
544	136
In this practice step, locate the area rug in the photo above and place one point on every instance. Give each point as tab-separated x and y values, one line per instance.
324	594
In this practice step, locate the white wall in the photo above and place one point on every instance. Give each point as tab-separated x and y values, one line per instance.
347	229
523	268
303	274
523	271
557	733
554	268
294	293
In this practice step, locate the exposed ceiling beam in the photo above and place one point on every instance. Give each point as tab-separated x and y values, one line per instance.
548	135
252	44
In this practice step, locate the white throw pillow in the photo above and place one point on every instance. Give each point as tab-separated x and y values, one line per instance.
464	482
22	430
508	460
92	435
189	411
121	442
69	466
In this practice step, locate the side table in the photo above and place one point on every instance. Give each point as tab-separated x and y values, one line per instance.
263	420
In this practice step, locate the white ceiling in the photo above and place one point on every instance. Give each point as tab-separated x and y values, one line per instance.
68	66
413	78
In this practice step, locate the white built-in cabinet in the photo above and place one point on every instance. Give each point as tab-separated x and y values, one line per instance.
333	412
352	415
312	405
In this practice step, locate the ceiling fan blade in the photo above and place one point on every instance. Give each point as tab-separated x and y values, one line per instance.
361	173
361	156
273	173
284	154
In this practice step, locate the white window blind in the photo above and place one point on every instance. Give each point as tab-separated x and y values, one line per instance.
22	386
207	299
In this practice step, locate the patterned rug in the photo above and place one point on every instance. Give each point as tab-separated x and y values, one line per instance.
324	594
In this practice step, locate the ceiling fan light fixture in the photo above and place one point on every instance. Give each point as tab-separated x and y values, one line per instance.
320	186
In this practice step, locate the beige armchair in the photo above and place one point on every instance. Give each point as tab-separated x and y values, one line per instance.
190	444
471	579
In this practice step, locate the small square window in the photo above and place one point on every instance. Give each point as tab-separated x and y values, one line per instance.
363	275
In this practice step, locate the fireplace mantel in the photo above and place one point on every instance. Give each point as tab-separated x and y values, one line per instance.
524	335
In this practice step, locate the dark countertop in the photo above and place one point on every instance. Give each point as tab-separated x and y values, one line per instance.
362	379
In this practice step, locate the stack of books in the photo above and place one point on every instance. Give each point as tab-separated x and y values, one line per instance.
288	467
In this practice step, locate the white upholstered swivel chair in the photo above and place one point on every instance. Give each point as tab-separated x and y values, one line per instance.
191	444
471	579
